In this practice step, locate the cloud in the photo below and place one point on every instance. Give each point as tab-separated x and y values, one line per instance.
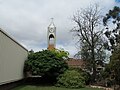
27	20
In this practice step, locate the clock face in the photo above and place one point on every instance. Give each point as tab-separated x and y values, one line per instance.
51	30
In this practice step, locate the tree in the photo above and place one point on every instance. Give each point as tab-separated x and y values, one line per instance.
89	33
99	54
115	66
112	69
47	64
112	23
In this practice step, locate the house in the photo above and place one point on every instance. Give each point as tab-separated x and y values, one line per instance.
12	58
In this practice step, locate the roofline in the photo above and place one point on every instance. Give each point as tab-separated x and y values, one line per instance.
1	30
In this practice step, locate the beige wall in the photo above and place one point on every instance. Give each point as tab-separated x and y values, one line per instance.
12	57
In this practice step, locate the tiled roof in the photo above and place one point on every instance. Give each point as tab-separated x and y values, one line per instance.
75	62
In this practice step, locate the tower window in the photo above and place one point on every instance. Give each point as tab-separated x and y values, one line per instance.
51	36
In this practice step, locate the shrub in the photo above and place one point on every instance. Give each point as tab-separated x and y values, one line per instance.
71	79
84	74
47	64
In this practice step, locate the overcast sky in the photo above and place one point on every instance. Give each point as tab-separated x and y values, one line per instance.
27	20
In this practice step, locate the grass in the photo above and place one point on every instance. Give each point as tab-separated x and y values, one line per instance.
29	87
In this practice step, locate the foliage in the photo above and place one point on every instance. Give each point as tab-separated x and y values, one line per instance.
83	73
106	78
71	79
48	64
61	53
112	23
100	57
112	70
89	33
106	73
115	65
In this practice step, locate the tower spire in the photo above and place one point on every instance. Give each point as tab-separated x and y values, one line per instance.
51	35
52	25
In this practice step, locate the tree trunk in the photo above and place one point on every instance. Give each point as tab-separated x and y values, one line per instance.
94	65
94	74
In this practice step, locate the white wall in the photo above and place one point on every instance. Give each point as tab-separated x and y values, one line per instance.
12	57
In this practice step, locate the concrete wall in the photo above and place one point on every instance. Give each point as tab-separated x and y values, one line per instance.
12	57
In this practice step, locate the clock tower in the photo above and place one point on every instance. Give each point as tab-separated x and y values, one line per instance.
51	36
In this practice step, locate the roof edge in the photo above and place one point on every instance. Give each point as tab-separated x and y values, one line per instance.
1	30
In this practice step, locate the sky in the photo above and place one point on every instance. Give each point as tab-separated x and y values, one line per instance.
27	20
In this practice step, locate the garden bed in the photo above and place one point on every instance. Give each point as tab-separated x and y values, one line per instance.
30	87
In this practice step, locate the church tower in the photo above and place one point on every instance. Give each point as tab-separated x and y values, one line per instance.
51	36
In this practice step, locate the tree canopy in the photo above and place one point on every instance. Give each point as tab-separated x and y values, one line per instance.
115	66
112	31
46	63
112	23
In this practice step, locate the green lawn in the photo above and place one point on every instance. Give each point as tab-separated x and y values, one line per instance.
29	87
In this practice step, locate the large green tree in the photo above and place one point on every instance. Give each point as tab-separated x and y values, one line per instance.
112	70
115	66
112	24
47	64
89	33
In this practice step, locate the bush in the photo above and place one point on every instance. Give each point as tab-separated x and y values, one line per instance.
84	74
47	64
71	79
